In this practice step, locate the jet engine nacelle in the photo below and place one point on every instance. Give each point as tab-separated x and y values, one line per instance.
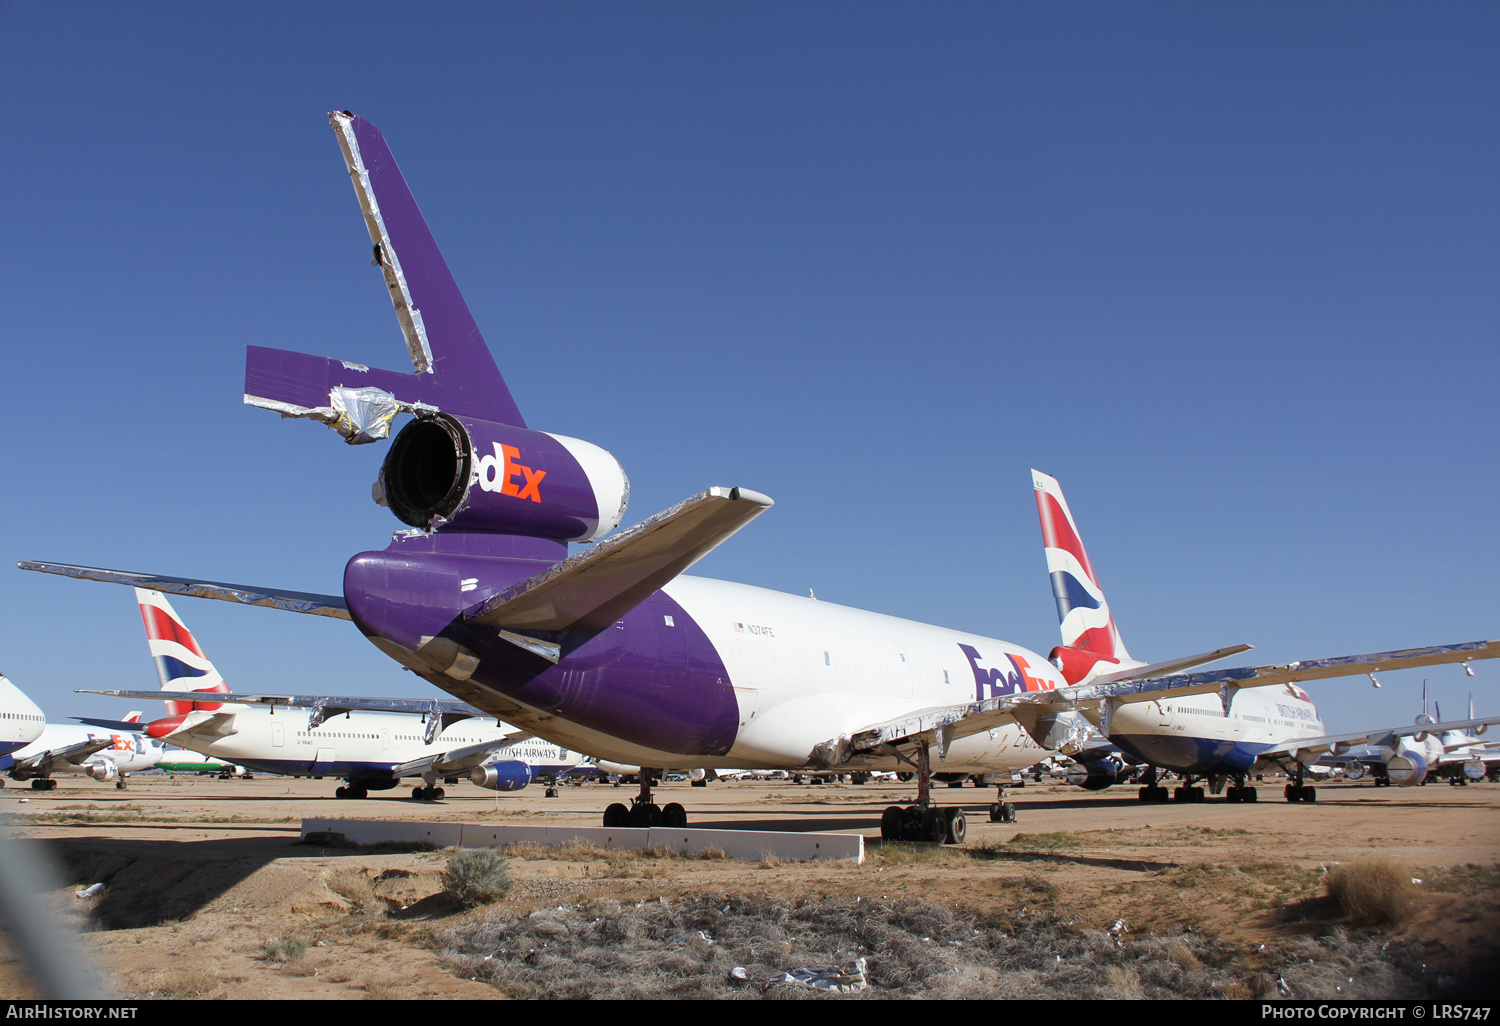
1096	775
105	771
475	475
510	775
1406	769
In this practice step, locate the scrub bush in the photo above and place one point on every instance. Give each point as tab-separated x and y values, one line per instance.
476	876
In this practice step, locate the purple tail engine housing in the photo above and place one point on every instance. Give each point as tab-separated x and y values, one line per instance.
491	504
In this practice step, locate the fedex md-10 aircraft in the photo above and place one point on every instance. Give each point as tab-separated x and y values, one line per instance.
612	651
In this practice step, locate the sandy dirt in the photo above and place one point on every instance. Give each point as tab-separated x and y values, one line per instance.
209	895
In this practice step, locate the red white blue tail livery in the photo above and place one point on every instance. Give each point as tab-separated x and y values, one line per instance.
180	662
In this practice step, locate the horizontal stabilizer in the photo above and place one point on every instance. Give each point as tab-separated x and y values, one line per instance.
292	601
203	726
1172	665
602	583
122	726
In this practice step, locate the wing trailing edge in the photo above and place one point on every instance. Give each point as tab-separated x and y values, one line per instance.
593	589
250	595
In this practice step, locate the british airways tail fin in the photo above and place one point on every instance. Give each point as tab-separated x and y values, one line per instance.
1089	635
180	662
1092	651
453	369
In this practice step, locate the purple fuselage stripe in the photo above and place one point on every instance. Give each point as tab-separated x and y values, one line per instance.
642	681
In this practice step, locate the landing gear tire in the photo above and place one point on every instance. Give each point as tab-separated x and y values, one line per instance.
958	826
1002	812
890	824
645	816
934	826
343	792
674	816
617	815
551	792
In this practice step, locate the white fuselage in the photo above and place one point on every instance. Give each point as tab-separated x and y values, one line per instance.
353	744
1193	735
129	753
806	672
21	722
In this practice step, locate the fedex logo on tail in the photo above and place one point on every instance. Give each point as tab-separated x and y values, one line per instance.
999	681
500	473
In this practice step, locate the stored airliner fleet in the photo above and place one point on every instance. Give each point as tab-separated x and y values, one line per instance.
612	651
370	750
1220	737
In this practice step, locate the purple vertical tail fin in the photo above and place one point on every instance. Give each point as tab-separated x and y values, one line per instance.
454	370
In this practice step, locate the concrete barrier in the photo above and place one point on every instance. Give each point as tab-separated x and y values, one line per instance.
748	845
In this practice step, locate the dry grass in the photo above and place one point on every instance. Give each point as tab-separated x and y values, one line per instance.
686	947
284	949
1372	891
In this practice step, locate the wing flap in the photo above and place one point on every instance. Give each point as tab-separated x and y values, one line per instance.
454	761
274	598
333	706
1303	749
74	753
593	589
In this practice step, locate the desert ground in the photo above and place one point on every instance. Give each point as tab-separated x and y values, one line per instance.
207	893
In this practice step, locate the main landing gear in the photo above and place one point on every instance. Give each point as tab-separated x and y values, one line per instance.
429	793
923	821
43	784
643	812
352	791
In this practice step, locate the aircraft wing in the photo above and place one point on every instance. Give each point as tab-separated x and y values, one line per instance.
942	725
441	713
292	601
203	727
593	589
1306	749
332	705
457	760
119	726
1172	665
74	753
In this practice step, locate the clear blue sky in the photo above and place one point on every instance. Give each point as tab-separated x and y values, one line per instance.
1229	271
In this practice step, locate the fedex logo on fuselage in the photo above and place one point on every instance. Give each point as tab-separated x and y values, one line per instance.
500	473
998	681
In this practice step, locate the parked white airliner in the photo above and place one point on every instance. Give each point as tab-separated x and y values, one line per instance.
1228	731
370	750
611	649
69	748
21	721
